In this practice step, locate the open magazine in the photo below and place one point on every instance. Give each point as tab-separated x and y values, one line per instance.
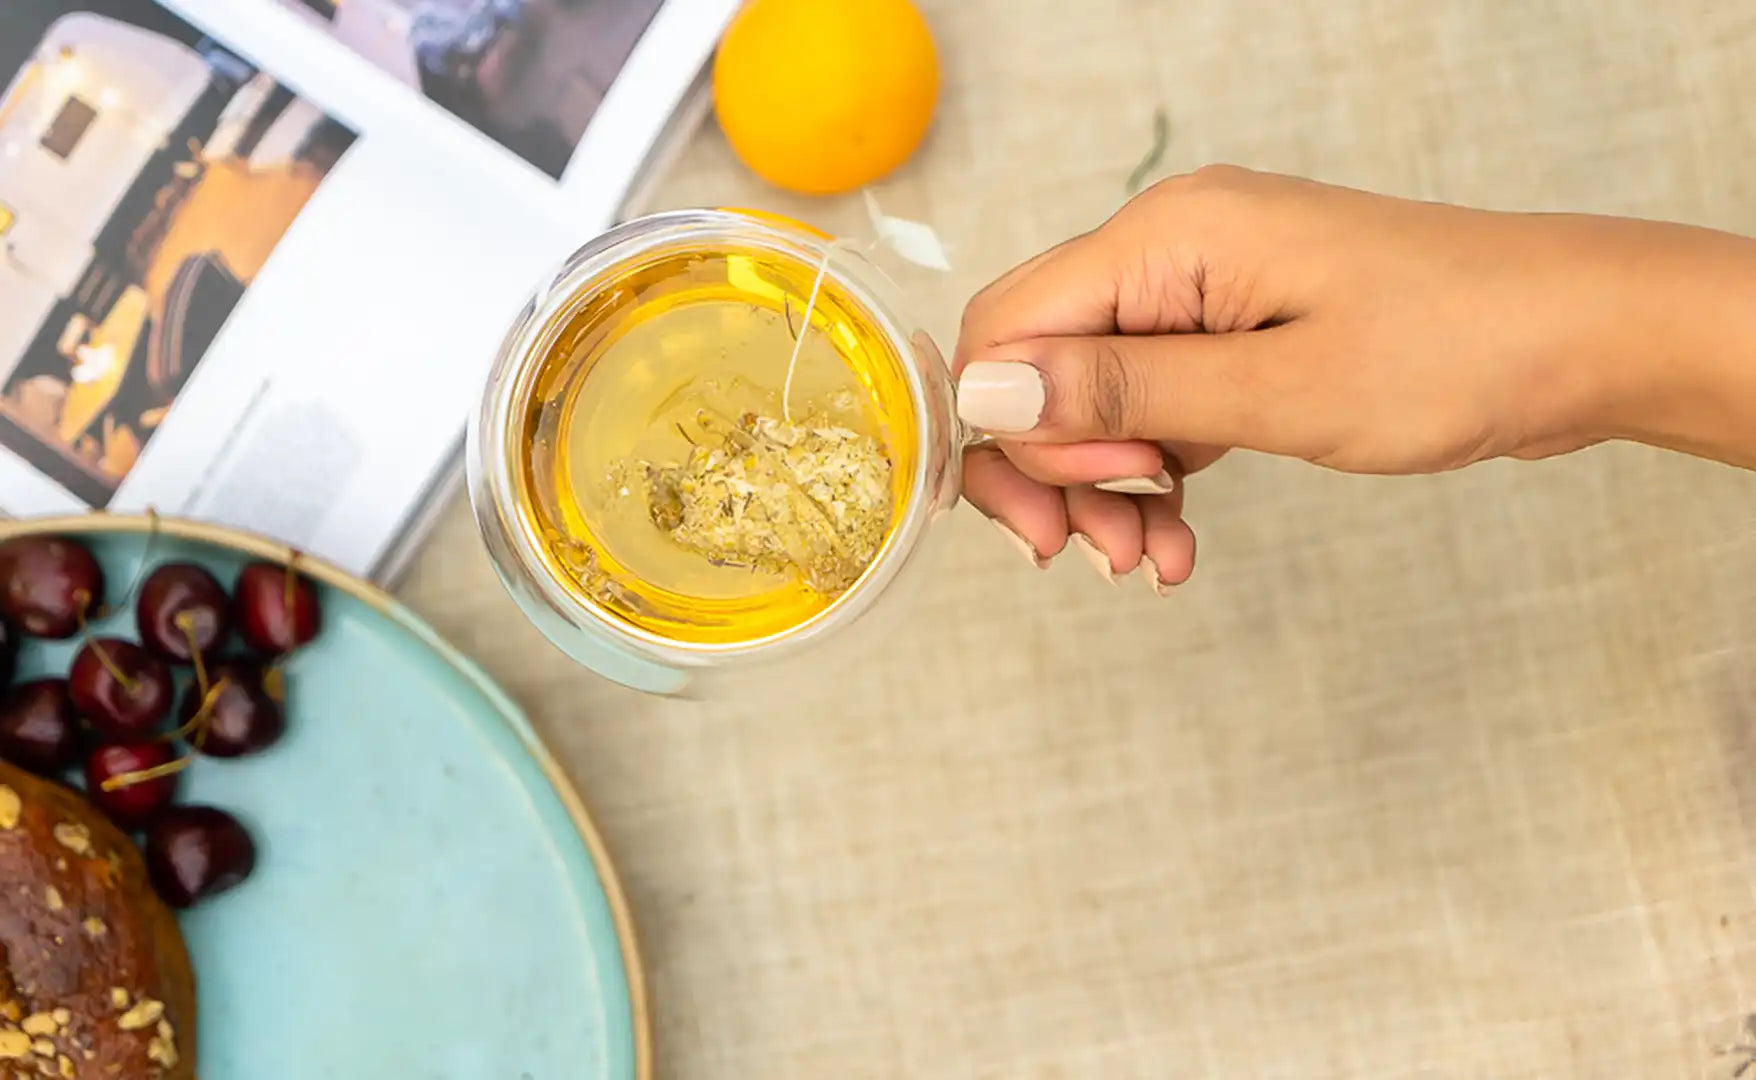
256	255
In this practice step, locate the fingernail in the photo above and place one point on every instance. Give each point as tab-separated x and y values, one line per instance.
1095	556
1000	396
1019	542
1162	484
1152	577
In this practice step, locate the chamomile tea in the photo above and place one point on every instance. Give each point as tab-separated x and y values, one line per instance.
718	442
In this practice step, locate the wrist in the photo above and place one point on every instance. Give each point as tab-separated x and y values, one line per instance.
1666	337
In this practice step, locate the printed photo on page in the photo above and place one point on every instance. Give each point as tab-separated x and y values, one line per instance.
529	74
146	175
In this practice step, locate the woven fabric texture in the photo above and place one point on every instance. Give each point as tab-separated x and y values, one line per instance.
1447	777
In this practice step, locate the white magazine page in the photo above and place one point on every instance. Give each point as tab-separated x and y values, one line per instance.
261	280
659	78
577	90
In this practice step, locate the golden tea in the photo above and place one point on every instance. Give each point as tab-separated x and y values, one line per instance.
666	494
715	456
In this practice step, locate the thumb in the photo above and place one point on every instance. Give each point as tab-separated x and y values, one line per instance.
1239	389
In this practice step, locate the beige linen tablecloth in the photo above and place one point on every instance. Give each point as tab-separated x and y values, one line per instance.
1418	778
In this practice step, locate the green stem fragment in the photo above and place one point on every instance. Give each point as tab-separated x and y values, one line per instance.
1161	139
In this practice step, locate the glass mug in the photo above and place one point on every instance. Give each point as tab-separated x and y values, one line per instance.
504	440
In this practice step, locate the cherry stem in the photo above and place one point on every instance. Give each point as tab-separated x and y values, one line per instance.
291	581
141	776
274	684
197	724
84	600
186	623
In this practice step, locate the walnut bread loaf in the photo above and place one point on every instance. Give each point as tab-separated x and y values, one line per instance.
95	982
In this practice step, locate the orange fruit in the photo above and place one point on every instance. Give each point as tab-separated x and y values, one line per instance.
822	97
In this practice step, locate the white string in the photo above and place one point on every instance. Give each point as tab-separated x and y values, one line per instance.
883	238
786	394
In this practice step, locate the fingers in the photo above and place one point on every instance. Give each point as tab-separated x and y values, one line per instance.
1118	533
1031	514
1252	389
1113	533
990	297
1134	274
1106	530
1069	289
1131	468
1187	459
1169	544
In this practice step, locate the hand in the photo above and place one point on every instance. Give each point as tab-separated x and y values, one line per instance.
1230	309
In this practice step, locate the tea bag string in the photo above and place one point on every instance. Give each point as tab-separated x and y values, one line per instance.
912	240
786	394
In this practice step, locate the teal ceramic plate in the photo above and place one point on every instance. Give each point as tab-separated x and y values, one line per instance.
430	900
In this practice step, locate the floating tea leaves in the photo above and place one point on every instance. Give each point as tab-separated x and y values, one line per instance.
766	485
811	499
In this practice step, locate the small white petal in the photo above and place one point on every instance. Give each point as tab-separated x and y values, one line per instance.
918	243
873	213
912	240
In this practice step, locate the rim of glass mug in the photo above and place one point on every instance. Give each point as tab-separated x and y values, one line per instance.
595	637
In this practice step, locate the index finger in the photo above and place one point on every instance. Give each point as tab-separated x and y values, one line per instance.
1067	291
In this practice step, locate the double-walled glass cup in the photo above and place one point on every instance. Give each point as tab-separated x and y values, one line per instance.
502	442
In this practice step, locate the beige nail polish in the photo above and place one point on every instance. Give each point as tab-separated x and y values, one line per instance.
1022	545
1001	396
1095	556
1152	576
1162	484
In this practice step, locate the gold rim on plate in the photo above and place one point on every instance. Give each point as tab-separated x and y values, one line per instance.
260	547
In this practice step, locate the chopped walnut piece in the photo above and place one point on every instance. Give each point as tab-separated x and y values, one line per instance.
11	1011
145	1013
162	1052
62	1017
52	897
14	1044
95	926
39	1024
65	1064
43	1048
118	997
11	806
74	837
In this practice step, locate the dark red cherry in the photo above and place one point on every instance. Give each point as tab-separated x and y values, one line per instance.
276	608
39	727
48	584
238	715
183	612
123	690
131	782
193	852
